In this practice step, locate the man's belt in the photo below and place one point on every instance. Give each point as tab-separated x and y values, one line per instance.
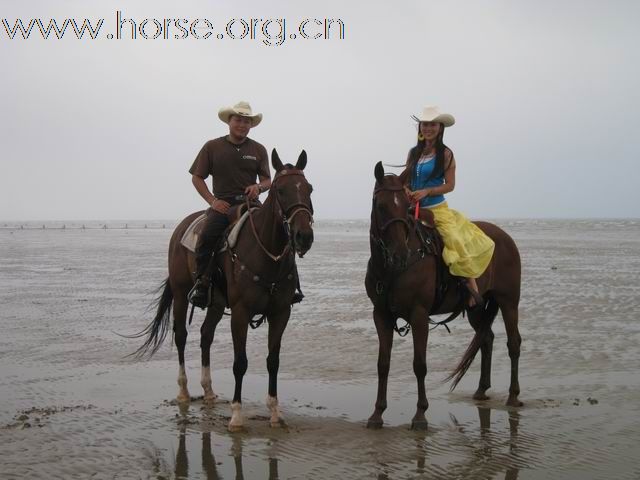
234	199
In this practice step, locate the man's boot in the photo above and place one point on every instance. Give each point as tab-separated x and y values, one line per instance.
202	292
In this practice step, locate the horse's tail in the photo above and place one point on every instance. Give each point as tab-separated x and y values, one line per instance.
157	330
484	330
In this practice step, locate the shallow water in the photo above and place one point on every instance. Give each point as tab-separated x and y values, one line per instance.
74	407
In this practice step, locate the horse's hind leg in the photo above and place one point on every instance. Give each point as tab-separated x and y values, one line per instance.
477	319
277	325
180	334
239	326
385	338
420	336
510	316
207	332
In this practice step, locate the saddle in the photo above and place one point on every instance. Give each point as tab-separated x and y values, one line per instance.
425	217
236	212
237	215
433	244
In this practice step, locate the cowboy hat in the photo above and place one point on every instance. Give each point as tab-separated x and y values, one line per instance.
242	109
431	113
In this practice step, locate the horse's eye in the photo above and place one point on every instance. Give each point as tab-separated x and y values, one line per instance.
310	188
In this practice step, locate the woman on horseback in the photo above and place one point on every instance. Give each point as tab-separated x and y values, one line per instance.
430	173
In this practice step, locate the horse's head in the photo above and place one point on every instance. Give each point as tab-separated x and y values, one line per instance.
389	225
293	196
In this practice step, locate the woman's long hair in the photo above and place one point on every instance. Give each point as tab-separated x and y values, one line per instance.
416	152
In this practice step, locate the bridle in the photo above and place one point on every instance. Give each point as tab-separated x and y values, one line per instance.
377	238
286	214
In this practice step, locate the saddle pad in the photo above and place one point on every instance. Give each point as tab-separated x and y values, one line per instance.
191	235
232	238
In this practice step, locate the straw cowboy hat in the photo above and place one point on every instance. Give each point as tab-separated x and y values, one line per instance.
242	109
431	113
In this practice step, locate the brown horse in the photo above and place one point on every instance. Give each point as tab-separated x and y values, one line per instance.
261	278
402	282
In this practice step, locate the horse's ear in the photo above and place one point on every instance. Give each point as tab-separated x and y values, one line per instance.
379	171
275	161
302	161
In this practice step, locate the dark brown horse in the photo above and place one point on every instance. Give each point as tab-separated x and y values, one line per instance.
261	279
402	283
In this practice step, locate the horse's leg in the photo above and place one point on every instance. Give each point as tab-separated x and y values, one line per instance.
239	326
420	333
385	339
510	317
180	306
277	324
207	331
476	318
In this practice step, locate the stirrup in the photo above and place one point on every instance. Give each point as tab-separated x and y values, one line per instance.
297	297
199	298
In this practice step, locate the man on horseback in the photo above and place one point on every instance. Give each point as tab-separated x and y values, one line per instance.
233	161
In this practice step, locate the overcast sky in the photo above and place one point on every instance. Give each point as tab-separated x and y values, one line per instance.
545	96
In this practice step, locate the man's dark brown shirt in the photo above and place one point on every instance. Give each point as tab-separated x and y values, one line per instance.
232	167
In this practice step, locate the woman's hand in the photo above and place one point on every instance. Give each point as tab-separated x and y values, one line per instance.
419	194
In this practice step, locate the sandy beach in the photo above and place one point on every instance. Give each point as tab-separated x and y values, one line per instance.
74	406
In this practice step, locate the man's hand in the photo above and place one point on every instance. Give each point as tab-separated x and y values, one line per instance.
220	205
252	191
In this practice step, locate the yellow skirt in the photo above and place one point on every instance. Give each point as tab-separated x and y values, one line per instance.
467	250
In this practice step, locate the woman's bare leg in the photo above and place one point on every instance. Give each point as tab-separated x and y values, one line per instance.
472	286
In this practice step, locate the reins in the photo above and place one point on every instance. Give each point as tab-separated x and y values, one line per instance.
286	219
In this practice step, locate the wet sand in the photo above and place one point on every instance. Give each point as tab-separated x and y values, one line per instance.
74	407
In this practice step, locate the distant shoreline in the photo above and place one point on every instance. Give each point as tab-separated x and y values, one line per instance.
137	224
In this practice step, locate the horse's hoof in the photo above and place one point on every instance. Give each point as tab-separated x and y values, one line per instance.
480	395
280	423
183	398
210	400
419	425
235	428
514	402
374	424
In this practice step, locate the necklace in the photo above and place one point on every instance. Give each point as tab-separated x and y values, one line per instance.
237	146
428	151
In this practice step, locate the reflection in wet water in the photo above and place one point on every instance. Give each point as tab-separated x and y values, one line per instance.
487	458
484	415
209	464
492	451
